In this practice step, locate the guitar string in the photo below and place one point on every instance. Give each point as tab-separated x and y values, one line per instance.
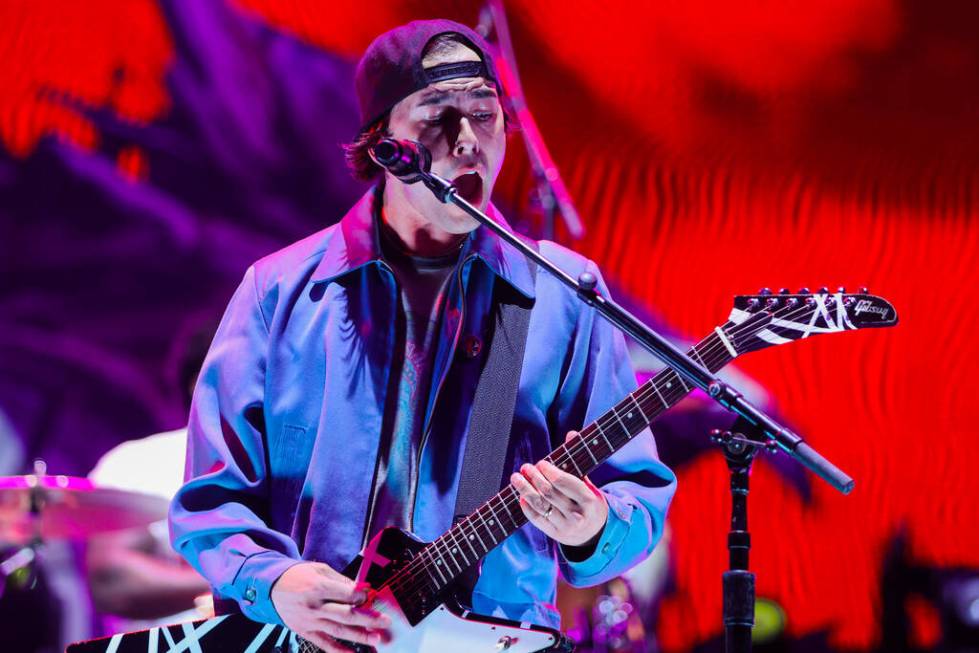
404	580
400	580
505	496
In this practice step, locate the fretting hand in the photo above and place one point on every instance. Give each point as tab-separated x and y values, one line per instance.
566	508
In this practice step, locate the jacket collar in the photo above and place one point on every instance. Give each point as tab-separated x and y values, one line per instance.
357	242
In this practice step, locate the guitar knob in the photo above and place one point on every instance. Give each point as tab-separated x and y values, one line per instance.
824	290
803	291
765	291
784	291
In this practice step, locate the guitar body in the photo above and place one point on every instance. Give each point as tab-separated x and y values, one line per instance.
435	623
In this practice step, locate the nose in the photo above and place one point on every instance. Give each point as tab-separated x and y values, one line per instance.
466	142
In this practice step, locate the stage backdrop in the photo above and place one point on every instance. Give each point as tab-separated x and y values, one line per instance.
152	150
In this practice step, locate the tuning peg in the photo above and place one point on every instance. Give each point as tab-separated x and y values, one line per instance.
824	290
771	302
841	290
752	305
765	291
784	291
803	291
864	291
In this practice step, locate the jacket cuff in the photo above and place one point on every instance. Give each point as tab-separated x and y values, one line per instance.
253	585
583	572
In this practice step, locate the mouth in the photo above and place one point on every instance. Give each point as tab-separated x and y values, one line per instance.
470	187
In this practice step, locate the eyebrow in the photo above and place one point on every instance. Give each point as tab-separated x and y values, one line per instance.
438	97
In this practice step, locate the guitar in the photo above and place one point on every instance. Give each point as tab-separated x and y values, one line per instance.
412	578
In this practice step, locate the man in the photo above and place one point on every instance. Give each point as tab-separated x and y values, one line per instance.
336	396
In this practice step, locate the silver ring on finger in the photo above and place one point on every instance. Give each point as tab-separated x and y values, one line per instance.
550	509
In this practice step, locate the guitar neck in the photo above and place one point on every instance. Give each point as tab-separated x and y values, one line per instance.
445	558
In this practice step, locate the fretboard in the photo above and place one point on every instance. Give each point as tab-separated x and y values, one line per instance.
444	559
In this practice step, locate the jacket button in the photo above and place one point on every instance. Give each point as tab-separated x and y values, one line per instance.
250	595
472	345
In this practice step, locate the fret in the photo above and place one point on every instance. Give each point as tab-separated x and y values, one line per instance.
623	424
476	532
469	541
682	382
593	442
496	519
605	437
694	352
588	449
639	408
658	393
437	563
453	550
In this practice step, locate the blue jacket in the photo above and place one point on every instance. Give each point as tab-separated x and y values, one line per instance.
288	409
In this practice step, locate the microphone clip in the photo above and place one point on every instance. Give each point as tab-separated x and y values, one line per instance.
409	161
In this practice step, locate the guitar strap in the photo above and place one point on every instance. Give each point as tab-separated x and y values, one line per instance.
493	405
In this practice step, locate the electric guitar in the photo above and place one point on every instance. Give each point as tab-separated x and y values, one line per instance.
412	579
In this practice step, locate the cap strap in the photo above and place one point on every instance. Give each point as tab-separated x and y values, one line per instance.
455	70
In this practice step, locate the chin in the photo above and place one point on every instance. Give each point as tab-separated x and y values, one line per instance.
461	222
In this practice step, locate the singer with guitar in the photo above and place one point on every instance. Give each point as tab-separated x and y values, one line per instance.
351	368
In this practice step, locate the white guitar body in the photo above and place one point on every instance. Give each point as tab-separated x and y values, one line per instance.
450	628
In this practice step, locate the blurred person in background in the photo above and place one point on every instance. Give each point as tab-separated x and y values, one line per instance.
135	577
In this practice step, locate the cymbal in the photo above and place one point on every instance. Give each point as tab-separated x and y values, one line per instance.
69	507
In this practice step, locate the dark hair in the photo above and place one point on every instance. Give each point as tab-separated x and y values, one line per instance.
357	153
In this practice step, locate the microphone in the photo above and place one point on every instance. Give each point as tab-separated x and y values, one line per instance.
407	160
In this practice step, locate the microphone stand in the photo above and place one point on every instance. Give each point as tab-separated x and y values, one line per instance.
740	446
552	194
698	376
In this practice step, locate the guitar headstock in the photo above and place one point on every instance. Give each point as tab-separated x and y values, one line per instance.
768	319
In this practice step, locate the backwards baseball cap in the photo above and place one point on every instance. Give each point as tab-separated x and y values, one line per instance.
391	68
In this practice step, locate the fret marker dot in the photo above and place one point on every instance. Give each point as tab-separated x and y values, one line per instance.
491	522
595	441
472	537
439	561
668	385
628	415
454	550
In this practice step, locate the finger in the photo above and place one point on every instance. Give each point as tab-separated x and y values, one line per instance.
573	488
354	615
551	495
527	491
343	590
325	642
537	518
351	633
530	494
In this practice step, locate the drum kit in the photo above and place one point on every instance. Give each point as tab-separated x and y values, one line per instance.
39	507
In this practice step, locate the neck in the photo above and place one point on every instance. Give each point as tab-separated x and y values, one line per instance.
415	234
